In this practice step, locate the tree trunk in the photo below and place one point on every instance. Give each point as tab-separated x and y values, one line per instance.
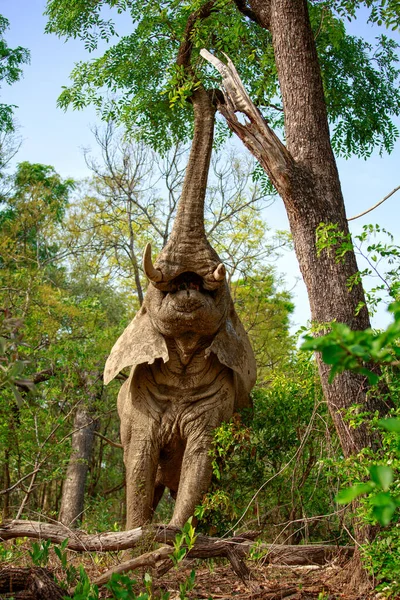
305	175
315	197
30	583
72	502
6	482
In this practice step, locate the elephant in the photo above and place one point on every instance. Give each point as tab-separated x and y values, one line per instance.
191	360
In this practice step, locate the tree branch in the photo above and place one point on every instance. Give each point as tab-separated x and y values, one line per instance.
15	485
185	49
375	205
149	559
26	384
106	439
248	12
256	134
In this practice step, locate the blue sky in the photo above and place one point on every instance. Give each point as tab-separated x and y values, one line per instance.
51	136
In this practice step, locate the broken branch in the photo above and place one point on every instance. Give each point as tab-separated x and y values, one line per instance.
256	134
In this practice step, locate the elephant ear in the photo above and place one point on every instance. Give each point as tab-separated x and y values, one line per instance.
139	343
233	349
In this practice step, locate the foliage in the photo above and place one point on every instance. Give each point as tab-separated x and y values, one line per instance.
382	12
186	536
382	561
376	249
138	82
265	311
374	354
344	349
40	553
31	215
382	502
272	468
11	60
56	326
12	364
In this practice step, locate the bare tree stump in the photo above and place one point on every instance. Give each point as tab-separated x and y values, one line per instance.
29	583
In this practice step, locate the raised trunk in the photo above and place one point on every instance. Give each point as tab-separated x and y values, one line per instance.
305	175
72	502
187	248
189	220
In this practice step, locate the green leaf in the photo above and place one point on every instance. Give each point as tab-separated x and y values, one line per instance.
18	398
332	354
349	494
381	499
384	514
391	424
359	350
382	475
3	345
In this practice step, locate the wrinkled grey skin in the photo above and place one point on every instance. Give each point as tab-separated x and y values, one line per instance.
192	364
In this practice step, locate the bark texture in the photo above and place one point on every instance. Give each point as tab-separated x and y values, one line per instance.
72	502
305	175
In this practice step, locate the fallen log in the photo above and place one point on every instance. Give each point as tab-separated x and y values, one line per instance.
307	555
235	549
77	540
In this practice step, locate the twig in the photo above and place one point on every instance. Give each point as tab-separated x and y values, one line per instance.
375	205
106	439
11	488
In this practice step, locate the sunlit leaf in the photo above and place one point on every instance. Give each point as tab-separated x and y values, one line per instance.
382	475
349	494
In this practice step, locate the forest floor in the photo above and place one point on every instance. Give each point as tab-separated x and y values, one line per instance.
271	582
215	580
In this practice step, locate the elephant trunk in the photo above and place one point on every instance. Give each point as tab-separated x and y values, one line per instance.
188	249
189	220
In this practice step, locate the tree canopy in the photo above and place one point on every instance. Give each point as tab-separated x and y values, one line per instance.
11	61
143	79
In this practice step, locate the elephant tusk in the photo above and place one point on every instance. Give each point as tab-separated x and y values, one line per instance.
219	273
152	273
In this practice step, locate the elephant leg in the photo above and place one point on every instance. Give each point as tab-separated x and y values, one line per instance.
158	493
195	478
197	424
141	455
